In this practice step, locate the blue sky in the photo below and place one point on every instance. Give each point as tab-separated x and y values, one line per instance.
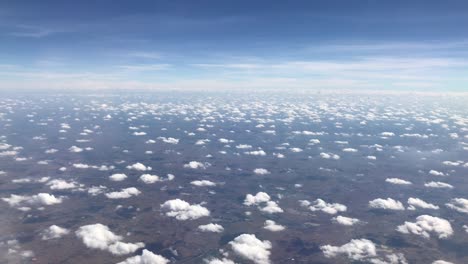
234	45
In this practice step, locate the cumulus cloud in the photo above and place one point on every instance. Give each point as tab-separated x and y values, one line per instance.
441	262
203	183
398	181
169	140
149	178
273	226
59	184
146	257
182	210
346	221
256	153
139	167
426	224
124	193
416	202
195	165
248	246
350	150
53	232
261	171
75	149
321	205
434	184
219	261
458	204
211	228
436	173
98	236
38	199
386	204
324	155
363	250
262	200
118	177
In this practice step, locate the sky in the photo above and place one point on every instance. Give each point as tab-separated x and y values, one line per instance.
234	45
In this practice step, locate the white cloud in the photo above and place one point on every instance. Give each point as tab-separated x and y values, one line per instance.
38	199
203	183
219	261
398	181
273	226
260	197
356	250
386	204
324	155
124	193
147	257
261	171
98	236
256	153
436	173
343	220
148	178
53	232
441	262
416	202
321	205
182	210
139	167
350	150
195	165
118	177
75	149
426	224
434	184
95	190
59	184
169	140
458	204
250	247
211	228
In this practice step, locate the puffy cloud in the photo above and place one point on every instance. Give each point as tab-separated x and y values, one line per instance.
148	178
219	261
365	251
256	153
386	204
321	205
243	146
426	224
182	210
356	250
273	226
387	134
211	228
118	177
434	184
124	193
416	202
139	167
458	204
53	232
436	173
38	199
250	247
59	184
343	220
260	197
261	171
137	133
398	181
296	150
75	149
169	140
147	257
225	141
195	165
350	150
95	190
324	155
98	236
441	262
203	183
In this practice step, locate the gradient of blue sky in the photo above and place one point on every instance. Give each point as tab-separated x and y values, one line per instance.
371	45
